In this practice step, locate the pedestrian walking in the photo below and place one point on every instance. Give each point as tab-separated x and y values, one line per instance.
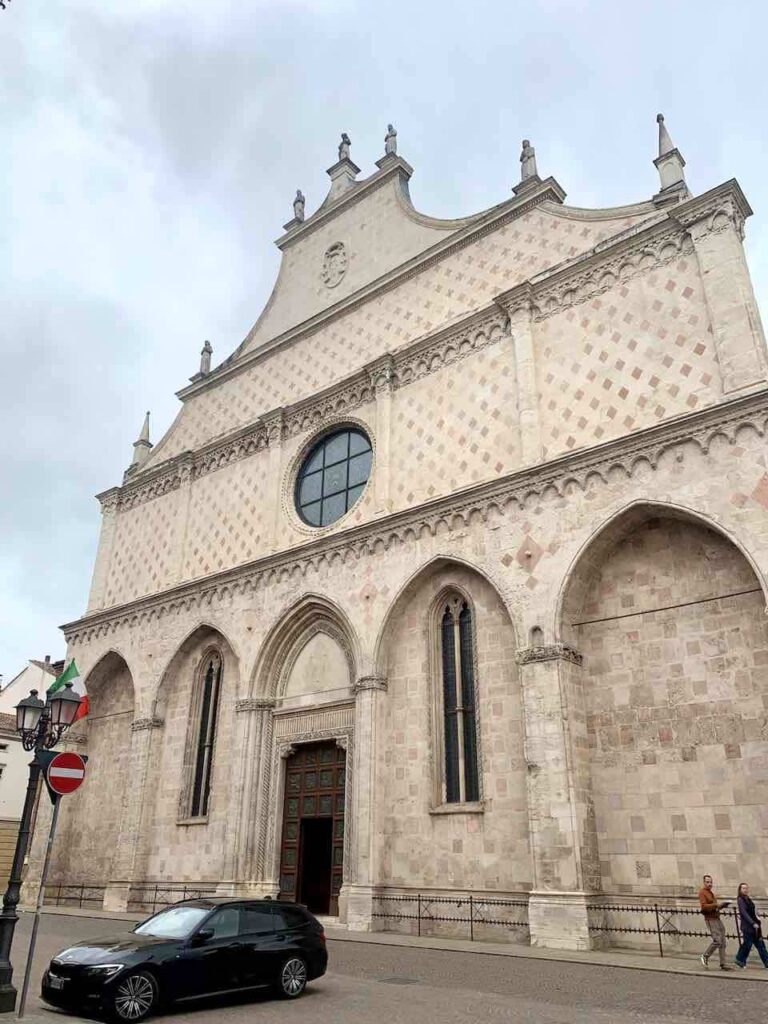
710	908
751	930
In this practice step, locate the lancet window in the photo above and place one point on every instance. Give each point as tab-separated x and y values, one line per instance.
209	688
457	648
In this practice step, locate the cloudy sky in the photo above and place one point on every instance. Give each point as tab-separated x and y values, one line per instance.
151	150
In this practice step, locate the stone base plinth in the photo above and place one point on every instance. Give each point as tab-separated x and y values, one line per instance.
558	920
116	896
358	900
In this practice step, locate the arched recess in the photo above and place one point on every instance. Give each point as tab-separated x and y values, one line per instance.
89	823
310	649
422	838
429	570
669	614
169	852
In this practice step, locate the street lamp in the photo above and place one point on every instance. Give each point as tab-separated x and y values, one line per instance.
41	724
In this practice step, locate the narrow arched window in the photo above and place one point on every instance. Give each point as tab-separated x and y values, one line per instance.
210	686
460	726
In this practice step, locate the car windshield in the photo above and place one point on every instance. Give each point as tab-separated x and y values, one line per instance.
173	923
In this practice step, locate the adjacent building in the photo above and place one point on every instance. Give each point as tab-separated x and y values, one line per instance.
450	580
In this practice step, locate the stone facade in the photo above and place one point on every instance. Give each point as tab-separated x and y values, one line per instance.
568	411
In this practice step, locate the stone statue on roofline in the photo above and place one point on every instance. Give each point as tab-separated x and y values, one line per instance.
298	206
205	358
390	141
528	161
344	147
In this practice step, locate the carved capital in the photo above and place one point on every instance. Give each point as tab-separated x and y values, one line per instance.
141	724
342	742
517	303
382	375
286	750
548	652
255	704
369	683
274	424
109	500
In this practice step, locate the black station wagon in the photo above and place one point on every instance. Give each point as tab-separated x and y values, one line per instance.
188	951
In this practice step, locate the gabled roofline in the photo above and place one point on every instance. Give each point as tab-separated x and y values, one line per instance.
549	190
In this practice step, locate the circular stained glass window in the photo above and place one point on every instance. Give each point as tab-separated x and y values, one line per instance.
333	476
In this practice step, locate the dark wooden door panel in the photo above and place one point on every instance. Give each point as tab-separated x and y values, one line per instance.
314	789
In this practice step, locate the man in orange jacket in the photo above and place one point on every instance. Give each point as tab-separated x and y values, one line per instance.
710	908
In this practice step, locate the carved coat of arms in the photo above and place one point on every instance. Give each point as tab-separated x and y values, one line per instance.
334	264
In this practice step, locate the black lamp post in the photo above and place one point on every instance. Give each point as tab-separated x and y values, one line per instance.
41	725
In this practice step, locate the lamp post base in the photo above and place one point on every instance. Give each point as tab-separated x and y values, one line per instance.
7	998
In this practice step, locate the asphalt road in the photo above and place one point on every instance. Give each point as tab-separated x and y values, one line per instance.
370	984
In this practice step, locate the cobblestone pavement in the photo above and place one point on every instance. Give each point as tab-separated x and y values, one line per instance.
372	984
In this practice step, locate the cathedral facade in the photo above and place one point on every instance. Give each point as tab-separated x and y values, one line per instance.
451	579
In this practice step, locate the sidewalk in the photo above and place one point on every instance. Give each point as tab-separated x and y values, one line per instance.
686	963
638	960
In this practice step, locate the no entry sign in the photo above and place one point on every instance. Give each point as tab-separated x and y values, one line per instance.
66	773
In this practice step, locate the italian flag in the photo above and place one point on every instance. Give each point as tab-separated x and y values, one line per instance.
72	675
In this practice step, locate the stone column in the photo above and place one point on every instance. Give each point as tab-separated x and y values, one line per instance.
518	304
716	233
360	871
382	374
560	807
130	834
274	424
249	794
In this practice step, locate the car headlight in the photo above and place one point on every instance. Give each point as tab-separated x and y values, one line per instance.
103	970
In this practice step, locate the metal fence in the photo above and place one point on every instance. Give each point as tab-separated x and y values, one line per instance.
66	895
152	896
663	922
469	915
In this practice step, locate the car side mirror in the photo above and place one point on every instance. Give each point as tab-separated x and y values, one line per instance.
204	935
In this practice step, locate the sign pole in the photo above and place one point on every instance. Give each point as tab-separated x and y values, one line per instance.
38	907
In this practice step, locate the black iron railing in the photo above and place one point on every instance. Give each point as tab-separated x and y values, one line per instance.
66	895
663	922
152	896
471	913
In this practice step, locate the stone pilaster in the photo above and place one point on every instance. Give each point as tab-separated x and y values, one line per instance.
249	792
185	501
359	880
737	330
561	814
128	848
519	307
274	423
100	576
383	379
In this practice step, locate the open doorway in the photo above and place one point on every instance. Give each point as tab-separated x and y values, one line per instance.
315	864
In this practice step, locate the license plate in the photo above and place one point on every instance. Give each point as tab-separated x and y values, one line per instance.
56	982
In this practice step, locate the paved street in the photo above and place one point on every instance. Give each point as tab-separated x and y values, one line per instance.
371	984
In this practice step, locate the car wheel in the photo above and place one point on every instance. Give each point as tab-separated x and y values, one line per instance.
293	978
134	997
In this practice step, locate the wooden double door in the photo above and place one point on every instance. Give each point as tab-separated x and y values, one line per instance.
312	844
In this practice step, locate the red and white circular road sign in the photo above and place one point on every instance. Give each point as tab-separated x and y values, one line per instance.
66	773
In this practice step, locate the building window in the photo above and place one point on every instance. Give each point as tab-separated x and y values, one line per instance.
209	688
333	476
458	692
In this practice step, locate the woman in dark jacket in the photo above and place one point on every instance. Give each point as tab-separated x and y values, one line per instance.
750	929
